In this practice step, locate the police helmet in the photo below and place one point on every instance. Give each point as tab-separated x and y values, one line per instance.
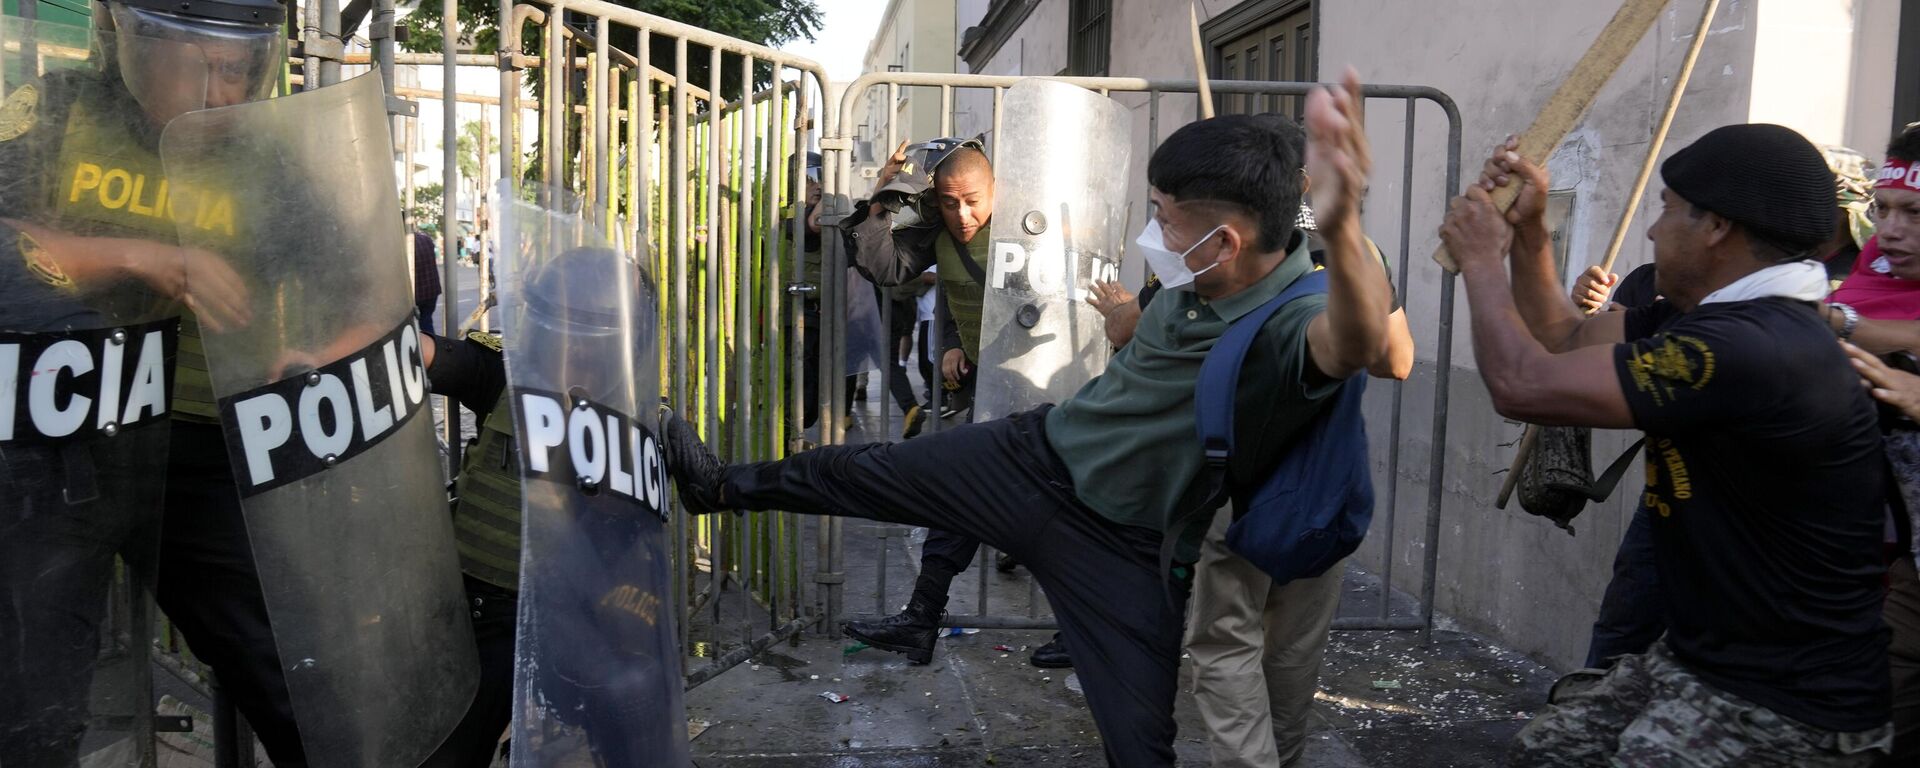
175	56
916	176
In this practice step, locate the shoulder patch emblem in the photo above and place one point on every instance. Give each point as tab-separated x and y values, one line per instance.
40	263
487	340
19	112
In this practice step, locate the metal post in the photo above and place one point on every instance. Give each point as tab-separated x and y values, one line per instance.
597	83
1437	461
310	30
450	184
482	202
743	346
676	200
330	29
711	310
382	34
1399	387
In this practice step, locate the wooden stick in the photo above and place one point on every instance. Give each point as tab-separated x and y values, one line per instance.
1531	438
1200	63
1659	136
1576	93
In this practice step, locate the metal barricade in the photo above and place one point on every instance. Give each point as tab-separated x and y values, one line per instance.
690	167
1274	93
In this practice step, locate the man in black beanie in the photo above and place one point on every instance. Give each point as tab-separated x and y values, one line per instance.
1765	476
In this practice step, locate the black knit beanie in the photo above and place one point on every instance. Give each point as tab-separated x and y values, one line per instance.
1766	178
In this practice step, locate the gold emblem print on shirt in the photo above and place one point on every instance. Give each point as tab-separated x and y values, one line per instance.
1669	364
19	112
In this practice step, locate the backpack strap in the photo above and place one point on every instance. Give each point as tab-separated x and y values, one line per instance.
1220	377
1213	409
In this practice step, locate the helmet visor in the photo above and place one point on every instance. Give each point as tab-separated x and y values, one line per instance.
176	64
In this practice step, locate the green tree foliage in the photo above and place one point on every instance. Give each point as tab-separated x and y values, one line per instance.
768	22
427	207
468	151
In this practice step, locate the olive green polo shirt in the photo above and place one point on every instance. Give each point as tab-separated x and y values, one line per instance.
1129	437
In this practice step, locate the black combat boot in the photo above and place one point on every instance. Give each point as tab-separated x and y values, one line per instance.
911	631
693	467
1053	655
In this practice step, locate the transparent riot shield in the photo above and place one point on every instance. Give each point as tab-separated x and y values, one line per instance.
322	394
597	678
1057	227
89	329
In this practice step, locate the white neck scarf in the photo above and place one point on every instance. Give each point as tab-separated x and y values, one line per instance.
1803	280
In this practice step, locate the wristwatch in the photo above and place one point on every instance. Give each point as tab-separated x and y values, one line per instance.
1849	319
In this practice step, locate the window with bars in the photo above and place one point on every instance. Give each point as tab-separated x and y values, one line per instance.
1089	37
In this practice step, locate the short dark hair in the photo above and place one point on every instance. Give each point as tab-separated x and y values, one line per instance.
1906	144
963	160
1249	162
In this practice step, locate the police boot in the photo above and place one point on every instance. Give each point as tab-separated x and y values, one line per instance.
911	631
1053	655
693	467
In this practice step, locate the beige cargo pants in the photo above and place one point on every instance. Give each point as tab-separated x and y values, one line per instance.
1256	652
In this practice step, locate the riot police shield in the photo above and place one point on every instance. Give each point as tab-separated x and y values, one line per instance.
322	394
88	334
1059	216
597	678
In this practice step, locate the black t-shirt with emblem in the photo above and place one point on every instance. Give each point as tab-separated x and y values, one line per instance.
1765	479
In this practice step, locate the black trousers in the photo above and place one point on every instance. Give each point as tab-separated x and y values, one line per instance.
898	384
1631	616
66	512
1001	483
944	557
210	589
476	739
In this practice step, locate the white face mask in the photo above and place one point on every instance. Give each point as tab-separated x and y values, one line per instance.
1170	266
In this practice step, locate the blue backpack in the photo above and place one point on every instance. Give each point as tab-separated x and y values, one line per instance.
1314	507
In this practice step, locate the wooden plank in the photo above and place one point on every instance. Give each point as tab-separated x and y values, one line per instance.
1575	94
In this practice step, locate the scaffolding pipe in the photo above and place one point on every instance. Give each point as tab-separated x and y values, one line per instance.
449	185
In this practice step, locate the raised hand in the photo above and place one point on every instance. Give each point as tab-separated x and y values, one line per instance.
1338	155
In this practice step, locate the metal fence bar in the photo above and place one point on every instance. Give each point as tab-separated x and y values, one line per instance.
1399	387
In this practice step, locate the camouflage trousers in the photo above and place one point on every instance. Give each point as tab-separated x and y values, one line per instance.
1650	711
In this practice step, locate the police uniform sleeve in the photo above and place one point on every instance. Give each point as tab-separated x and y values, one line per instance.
471	371
1701	371
885	256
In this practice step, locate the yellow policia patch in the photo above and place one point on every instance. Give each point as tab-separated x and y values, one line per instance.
487	340
131	192
19	113
40	263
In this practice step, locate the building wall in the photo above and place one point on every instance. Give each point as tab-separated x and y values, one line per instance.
918	36
1785	61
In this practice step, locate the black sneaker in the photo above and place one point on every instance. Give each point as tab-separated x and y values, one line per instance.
693	467
1053	655
910	632
1005	563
